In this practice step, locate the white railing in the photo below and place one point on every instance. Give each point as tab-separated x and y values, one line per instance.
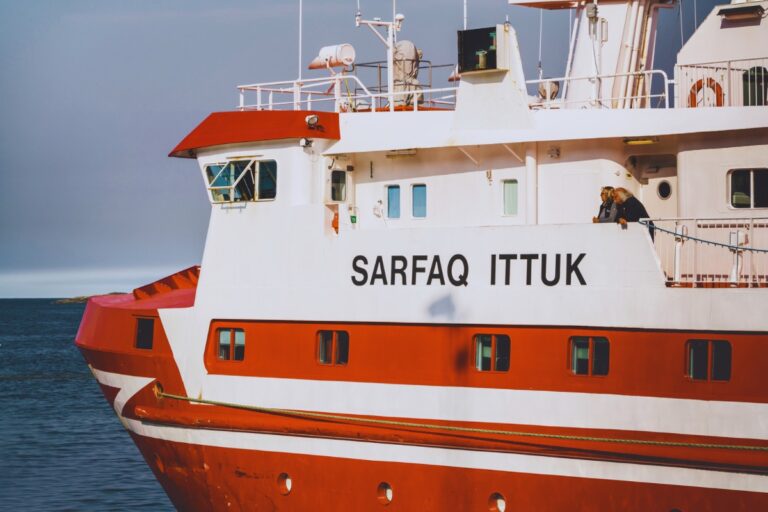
728	83
339	93
589	91
713	252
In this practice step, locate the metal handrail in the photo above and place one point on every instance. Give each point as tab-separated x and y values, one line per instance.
566	80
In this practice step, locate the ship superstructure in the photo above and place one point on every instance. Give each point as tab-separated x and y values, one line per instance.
404	302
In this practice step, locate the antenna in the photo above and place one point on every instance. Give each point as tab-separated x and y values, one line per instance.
301	16
465	14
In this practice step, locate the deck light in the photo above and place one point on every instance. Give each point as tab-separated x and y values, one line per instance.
640	141
311	121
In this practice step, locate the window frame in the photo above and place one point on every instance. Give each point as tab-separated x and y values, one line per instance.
494	352
591	359
253	167
334	350
232	345
729	188
710	362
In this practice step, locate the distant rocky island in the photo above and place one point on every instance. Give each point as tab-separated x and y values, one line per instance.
82	299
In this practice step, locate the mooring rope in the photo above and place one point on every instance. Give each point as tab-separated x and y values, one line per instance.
710	242
450	428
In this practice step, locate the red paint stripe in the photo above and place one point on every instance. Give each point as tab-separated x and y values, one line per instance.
222	128
210	478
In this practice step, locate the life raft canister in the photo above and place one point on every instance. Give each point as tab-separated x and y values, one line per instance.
710	83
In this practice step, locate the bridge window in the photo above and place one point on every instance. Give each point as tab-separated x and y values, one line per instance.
419	201
338	186
231	344
145	331
393	201
749	188
242	180
333	347
492	352
510	197
589	355
708	360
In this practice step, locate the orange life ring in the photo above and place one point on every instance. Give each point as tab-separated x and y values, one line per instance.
712	84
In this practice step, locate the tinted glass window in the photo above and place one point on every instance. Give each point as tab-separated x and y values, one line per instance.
267	179
580	355
325	347
342	347
483	352
601	354
510	197
145	328
239	353
761	188
419	200
721	360
502	353
698	360
225	343
393	201
338	186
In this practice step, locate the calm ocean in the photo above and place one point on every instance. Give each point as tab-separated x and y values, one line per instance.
61	445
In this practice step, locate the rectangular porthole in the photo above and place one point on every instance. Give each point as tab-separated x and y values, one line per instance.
708	360
393	201
492	352
145	333
748	188
333	347
419	201
230	344
589	355
338	186
510	197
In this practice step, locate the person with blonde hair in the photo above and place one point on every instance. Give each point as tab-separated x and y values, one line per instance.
608	209
630	208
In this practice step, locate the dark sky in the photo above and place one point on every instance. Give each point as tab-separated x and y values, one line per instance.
94	94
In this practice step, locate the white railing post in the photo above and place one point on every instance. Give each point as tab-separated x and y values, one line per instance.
258	98
242	99
271	98
735	238
678	271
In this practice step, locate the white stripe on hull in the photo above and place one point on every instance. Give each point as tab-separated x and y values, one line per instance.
457	458
743	420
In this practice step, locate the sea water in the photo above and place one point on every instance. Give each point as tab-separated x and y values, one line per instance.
61	445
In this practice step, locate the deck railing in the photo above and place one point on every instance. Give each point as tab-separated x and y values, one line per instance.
729	83
707	252
648	89
339	93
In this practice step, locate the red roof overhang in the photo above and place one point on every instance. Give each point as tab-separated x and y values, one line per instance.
254	126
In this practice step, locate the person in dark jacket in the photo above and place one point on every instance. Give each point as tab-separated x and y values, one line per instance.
609	210
630	208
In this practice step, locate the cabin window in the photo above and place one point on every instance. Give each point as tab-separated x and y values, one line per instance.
419	201
589	355
242	180
145	332
338	186
708	360
510	197
492	352
749	188
393	201
231	344
333	347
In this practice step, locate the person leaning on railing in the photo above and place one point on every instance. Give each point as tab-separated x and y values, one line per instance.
630	208
609	210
